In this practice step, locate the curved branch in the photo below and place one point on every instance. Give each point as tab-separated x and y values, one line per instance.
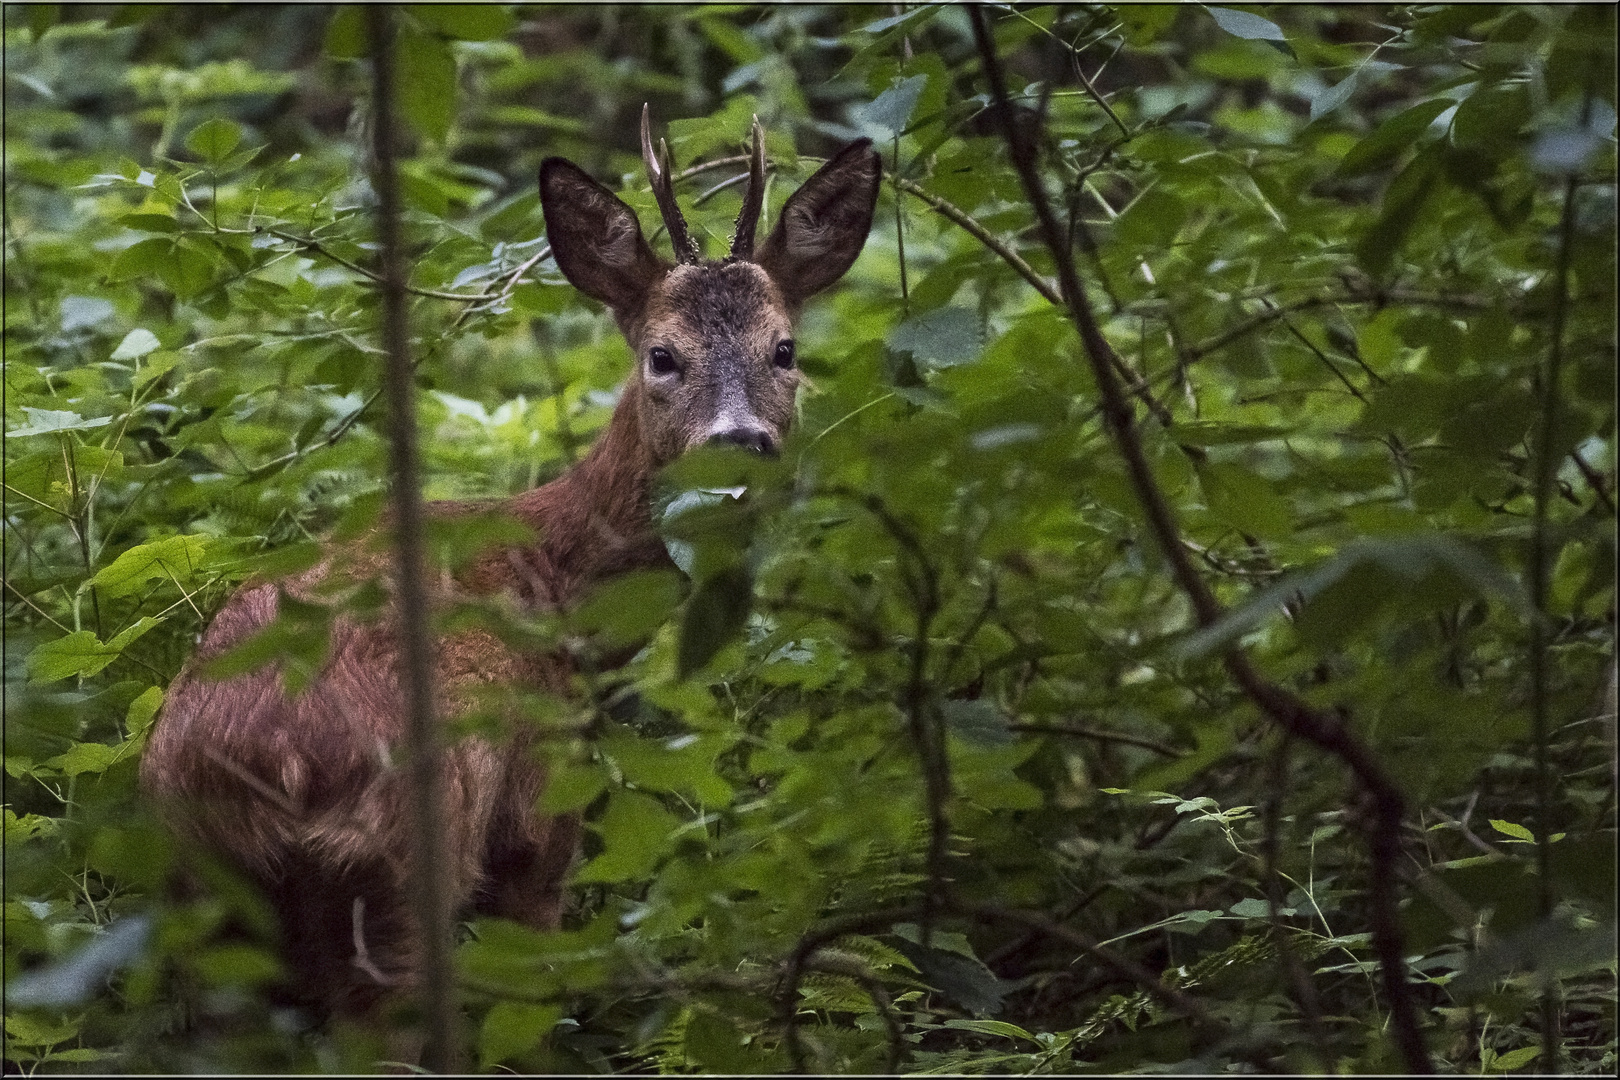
1282	707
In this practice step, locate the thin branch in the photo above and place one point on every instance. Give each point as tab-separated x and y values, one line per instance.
326	253
429	891
1284	708
1083	731
1594	479
1539	571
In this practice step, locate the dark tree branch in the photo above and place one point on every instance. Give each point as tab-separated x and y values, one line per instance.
1540	566
432	898
1282	707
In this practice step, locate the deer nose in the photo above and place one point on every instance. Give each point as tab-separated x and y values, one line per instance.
756	439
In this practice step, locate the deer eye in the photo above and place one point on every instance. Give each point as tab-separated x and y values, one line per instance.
661	361
784	354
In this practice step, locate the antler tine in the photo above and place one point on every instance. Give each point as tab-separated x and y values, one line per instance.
742	241
660	176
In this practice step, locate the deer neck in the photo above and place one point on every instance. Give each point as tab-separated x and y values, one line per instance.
595	520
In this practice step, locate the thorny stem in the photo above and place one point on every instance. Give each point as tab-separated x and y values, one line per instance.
429	892
1283	707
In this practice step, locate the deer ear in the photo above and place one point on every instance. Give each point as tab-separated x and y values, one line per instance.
824	224
595	238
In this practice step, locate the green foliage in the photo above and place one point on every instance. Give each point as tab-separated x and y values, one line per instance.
1336	247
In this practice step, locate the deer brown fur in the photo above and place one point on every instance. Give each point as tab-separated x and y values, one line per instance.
303	791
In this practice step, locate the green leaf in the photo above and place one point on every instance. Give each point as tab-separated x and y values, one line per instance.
1403	204
991	1027
1333	97
1251	908
715	614
85	757
48	421
1516	832
511	1028
1245	501
683	764
427	83
214	140
573	787
173	557
1393	136
136	343
466	22
635	832
940	338
346	33
1514	1059
1244	25
890	112
78	653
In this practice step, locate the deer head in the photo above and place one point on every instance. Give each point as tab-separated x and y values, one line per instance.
713	339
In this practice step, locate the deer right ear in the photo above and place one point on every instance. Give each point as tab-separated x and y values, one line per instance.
824	224
595	238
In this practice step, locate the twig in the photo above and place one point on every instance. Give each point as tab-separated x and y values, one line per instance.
326	253
1082	731
1594	479
429	889
1284	708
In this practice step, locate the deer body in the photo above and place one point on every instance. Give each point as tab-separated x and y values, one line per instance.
302	791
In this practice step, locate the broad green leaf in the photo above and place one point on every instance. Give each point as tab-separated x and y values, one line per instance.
1246	501
213	140
1516	832
889	113
1333	97
1244	25
173	558
466	22
512	1027
426	82
941	338
714	615
1392	136
635	832
78	653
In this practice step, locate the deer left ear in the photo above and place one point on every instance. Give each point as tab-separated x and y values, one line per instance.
595	238
824	224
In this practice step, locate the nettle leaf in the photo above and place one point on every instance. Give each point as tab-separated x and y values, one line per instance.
81	652
173	558
1244	25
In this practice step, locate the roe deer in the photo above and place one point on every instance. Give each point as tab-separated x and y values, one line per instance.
297	789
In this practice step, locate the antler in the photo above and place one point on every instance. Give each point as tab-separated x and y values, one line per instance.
742	241
663	186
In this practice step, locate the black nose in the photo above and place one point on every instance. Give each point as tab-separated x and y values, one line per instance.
750	438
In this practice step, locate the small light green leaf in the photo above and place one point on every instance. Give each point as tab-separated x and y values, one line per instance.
572	788
46	421
142	710
137	343
214	140
1244	25
512	1027
1516	832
